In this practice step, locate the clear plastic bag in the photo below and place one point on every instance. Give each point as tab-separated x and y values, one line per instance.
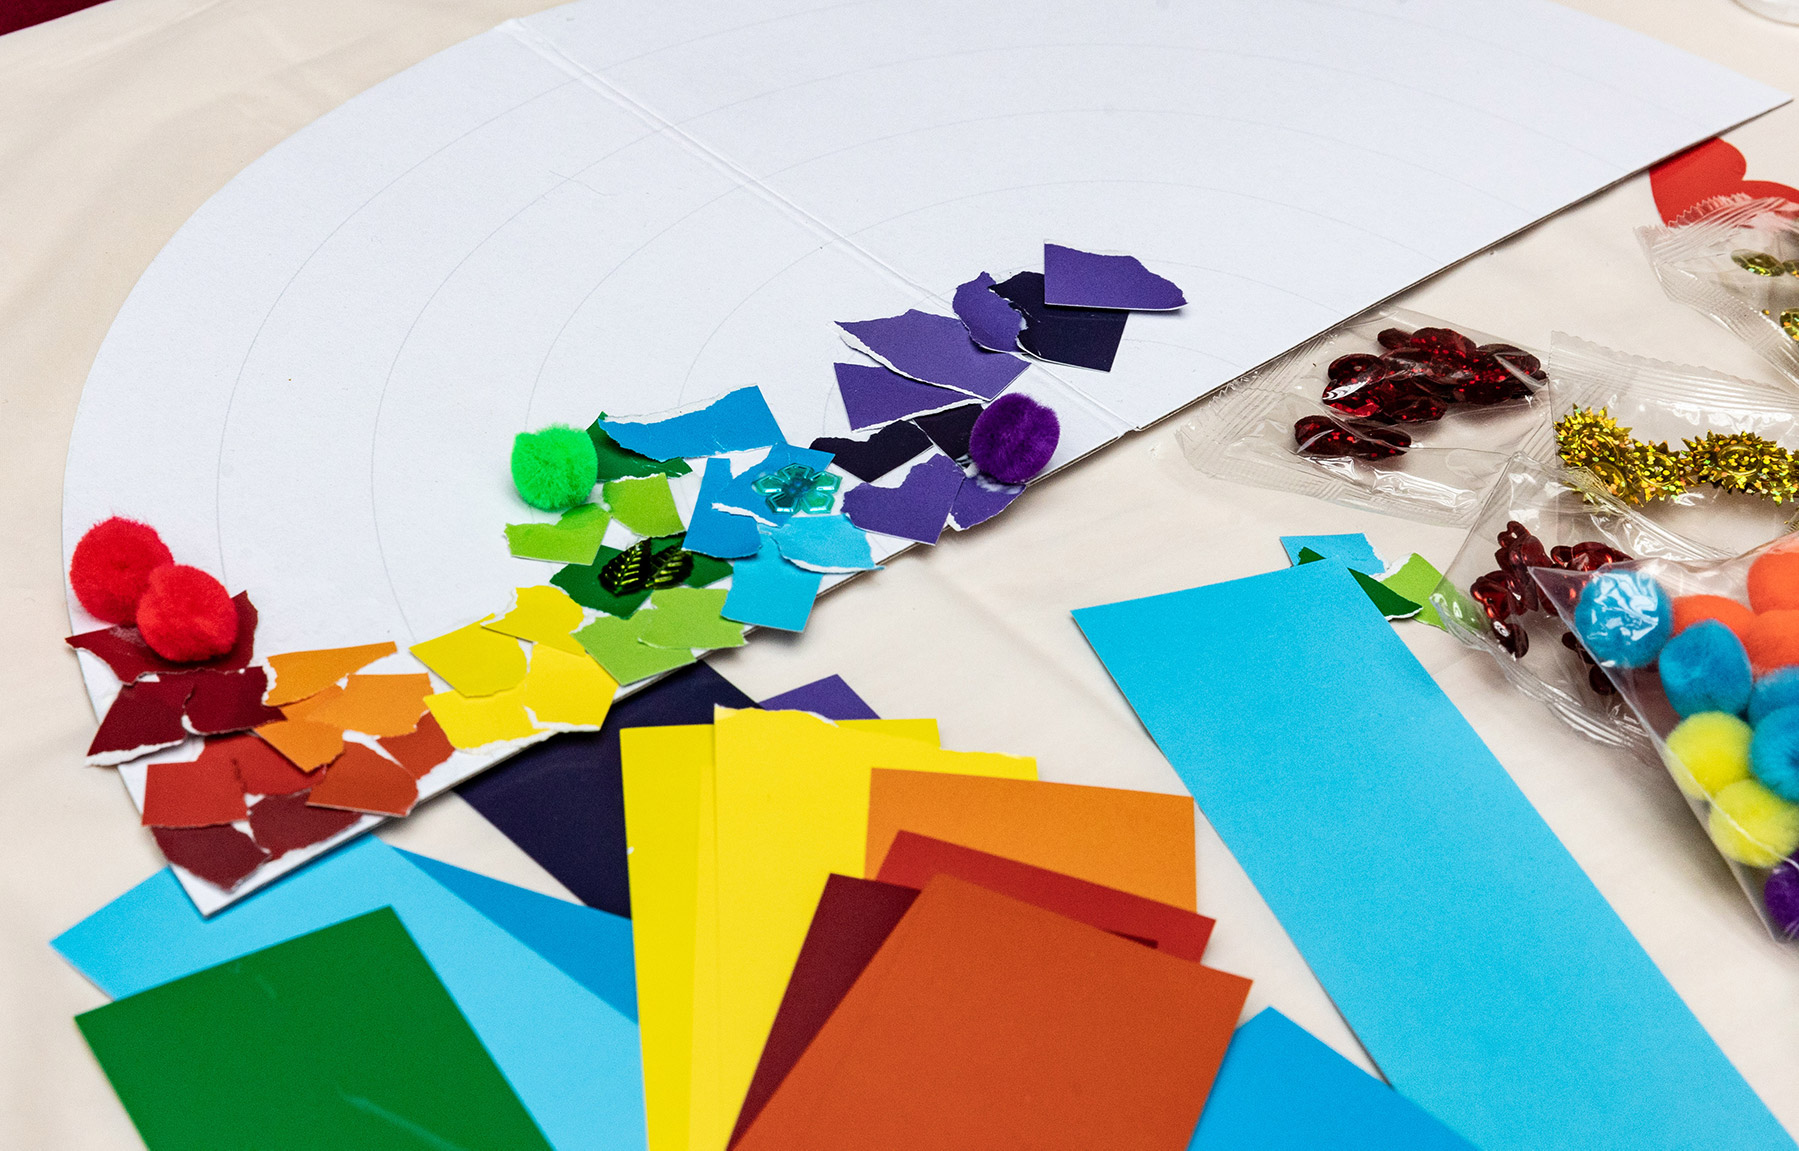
1561	510
1658	402
1394	411
1737	262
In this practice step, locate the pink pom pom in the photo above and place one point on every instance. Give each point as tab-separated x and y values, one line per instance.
112	566
186	615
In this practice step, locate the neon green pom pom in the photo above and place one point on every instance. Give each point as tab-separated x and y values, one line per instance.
554	468
1752	825
1708	751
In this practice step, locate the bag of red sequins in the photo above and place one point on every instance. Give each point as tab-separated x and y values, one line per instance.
1395	411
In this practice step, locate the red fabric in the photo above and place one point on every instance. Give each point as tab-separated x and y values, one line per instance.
17	14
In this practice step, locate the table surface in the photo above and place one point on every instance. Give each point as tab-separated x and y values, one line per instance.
119	121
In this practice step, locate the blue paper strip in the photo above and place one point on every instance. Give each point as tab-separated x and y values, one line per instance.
1351	549
735	422
716	533
1477	963
825	543
770	592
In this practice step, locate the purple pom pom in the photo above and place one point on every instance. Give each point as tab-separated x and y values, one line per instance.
1014	438
1781	897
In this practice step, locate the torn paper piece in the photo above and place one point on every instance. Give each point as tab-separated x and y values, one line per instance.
1351	549
689	618
645	505
734	422
223	856
950	430
573	539
979	499
194	793
473	660
284	823
825	544
305	708
991	322
260	768
307	745
544	614
478	721
770	592
568	691
144	717
374	704
124	651
1391	603
874	457
1416	579
829	697
915	510
613	643
618	582
935	349
873	395
363	780
713	531
421	751
1073	278
299	674
1082	337
227	701
616	463
788	479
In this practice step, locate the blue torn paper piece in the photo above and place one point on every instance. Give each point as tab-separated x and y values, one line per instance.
1076	279
735	422
713	531
768	591
1476	962
741	491
1281	1089
873	395
825	544
1350	549
915	509
829	697
980	499
572	1058
937	350
591	947
991	322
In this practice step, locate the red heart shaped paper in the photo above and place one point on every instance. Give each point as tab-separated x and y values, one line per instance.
1714	168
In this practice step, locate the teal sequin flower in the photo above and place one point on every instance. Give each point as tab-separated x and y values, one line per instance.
798	488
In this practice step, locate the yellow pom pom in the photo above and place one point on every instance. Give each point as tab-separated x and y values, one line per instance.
1709	750
1752	825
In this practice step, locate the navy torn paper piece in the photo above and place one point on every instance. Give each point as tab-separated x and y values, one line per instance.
1073	278
1081	337
874	457
950	430
990	321
935	349
872	395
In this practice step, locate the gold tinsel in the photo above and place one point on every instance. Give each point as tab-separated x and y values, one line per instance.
1742	462
1638	472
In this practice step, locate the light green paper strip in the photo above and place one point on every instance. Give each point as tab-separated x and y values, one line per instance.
686	617
646	506
613	643
573	539
1415	580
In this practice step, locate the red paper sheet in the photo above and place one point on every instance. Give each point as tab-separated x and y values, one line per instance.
260	768
130	658
227	701
362	780
222	856
143	717
421	751
195	793
284	823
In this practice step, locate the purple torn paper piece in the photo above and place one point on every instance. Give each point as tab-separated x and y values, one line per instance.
873	395
937	350
915	510
1076	279
979	500
990	321
829	697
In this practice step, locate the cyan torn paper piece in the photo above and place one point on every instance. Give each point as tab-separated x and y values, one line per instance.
736	421
1073	278
829	697
1351	549
873	395
713	531
980	499
770	592
935	349
916	509
991	322
825	544
874	457
1082	337
789	476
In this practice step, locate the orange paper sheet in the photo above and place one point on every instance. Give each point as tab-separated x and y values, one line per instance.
362	780
378	705
308	746
299	674
1136	841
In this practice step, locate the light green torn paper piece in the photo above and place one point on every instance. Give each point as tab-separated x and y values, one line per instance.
614	645
646	506
685	617
1415	580
573	539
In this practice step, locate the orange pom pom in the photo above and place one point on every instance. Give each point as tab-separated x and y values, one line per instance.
187	616
1772	641
112	565
1774	582
1690	609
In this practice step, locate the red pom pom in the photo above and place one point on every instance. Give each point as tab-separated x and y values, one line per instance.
186	615
112	566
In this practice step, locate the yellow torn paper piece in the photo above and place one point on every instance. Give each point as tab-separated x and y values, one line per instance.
480	720
567	691
473	660
299	674
543	615
922	730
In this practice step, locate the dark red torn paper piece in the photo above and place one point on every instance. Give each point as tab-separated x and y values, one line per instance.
284	823
227	701
193	793
222	856
260	768
130	658
362	780
143	718
422	750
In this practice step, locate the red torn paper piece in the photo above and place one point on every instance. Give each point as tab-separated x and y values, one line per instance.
225	701
362	780
193	793
144	717
130	658
421	751
222	856
284	823
260	768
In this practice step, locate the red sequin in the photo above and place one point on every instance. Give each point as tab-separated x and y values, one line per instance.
1328	438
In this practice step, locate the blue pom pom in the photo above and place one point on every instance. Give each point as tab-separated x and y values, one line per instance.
1778	689
1705	668
1774	753
1623	618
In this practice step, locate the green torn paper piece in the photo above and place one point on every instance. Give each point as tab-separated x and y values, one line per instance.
341	1038
582	581
614	644
616	463
644	505
1391	604
688	617
1416	579
573	539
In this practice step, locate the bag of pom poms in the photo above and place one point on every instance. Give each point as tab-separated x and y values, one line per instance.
1738	263
1540	514
1706	654
1711	457
1394	411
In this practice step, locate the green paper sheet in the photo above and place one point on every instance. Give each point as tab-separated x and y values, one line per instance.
617	463
573	539
342	1038
644	505
685	617
582	581
615	645
1415	580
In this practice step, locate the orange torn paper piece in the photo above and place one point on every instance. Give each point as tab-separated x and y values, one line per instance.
567	691
473	660
421	751
308	708
362	780
299	674
481	720
372	704
308	746
545	615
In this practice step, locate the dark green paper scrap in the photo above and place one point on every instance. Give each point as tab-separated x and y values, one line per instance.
1391	603
341	1038
582	581
618	463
